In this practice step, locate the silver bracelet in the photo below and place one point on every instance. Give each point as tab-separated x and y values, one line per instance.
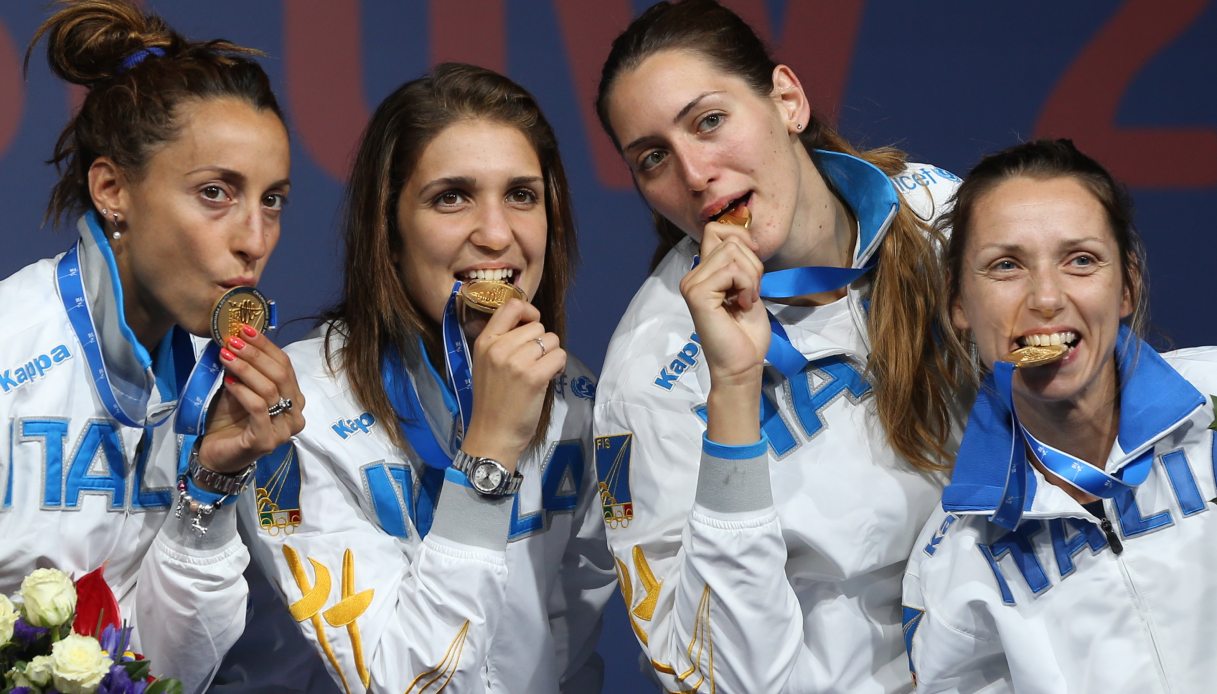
201	512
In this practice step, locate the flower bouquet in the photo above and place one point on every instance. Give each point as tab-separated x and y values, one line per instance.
56	636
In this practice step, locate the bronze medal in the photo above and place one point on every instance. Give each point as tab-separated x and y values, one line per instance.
238	305
1036	356
488	295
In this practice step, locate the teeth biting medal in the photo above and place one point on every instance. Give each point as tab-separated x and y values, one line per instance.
738	215
1036	355
488	295
237	306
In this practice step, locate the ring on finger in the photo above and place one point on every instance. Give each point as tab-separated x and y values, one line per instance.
541	345
280	407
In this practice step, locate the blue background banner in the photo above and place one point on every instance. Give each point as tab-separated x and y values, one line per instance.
1131	82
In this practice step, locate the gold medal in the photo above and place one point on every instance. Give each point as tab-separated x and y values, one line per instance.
488	295
238	305
739	216
1036	356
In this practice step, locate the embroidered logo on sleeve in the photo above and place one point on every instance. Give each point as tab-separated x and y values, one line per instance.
613	469
278	490
311	606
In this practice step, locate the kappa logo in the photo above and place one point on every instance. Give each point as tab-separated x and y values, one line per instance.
684	360
348	427
35	368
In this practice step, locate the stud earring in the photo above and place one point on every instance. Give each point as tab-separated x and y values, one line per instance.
798	126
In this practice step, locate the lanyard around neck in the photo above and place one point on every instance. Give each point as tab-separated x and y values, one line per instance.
1069	468
120	404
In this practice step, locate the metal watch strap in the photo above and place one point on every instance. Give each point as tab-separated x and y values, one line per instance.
230	484
466	463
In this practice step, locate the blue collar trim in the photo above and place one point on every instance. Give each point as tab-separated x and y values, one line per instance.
1154	400
869	193
103	246
440	381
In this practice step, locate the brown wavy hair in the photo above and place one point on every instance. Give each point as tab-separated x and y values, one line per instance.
908	323
375	313
138	71
1041	160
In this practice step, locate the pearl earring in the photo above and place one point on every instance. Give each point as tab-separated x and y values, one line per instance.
117	234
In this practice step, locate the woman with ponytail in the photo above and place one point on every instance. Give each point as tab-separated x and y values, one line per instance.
775	402
176	168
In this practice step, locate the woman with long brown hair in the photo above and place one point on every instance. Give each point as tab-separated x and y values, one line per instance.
435	523
177	165
775	401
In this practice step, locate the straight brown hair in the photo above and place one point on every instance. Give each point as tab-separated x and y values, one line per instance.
376	314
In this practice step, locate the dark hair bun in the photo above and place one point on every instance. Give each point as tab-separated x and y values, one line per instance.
88	40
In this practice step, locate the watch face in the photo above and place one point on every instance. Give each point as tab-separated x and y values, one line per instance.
487	477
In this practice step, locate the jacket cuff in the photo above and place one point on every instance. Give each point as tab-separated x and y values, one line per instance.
466	517
734	479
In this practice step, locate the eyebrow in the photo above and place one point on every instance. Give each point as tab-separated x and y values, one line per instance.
1009	247
236	176
471	182
676	119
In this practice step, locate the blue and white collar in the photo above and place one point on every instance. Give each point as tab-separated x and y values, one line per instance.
1154	401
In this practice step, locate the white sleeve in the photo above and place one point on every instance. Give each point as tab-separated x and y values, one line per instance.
703	577
943	657
190	598
380	619
585	585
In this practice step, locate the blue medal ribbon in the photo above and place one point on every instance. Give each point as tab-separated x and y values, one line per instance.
412	419
872	198
119	403
1073	470
456	361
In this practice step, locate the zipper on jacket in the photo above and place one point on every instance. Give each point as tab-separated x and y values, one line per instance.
1099	510
1116	546
1096	509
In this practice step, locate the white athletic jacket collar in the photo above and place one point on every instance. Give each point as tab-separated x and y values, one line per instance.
1154	400
868	192
128	364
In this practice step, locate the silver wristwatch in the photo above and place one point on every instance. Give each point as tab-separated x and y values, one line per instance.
218	481
488	476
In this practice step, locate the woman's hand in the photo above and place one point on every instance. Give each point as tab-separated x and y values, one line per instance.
511	372
240	428
723	295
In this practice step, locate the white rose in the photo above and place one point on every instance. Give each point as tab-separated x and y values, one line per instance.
49	597
36	674
78	664
8	617
38	671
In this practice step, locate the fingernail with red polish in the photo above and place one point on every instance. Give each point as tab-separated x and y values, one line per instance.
236	342
226	355
230	380
249	331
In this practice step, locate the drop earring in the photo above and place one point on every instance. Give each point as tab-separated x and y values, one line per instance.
117	233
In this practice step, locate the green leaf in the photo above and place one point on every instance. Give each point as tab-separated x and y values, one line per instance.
164	687
137	669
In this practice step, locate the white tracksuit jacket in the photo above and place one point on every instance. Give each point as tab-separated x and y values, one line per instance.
1050	607
78	489
501	596
779	572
